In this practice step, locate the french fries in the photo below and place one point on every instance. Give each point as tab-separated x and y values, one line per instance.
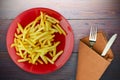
35	43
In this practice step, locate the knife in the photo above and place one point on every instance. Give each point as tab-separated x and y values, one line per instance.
109	44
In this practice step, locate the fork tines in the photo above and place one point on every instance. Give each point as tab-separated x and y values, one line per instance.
93	33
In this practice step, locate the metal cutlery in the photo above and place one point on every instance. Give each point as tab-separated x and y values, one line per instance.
109	44
93	35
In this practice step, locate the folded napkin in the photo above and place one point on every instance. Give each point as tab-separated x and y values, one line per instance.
91	65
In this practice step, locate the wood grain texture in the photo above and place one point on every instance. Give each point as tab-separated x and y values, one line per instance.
78	9
9	71
81	14
80	28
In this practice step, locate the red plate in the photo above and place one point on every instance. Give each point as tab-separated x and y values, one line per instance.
67	41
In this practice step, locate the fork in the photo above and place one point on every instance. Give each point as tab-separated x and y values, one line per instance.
93	35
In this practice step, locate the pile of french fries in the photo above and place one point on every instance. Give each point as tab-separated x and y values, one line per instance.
35	42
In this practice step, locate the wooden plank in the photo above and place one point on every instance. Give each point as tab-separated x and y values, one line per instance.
9	70
70	9
80	29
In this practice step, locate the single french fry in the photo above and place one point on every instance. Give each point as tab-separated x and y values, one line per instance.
20	27
42	19
52	19
44	59
53	30
40	61
18	31
13	45
22	60
56	44
54	51
18	54
48	25
57	55
50	53
61	30
28	26
16	48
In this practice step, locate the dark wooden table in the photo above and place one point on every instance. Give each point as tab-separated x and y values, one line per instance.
81	14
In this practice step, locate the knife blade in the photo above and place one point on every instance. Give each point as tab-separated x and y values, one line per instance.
109	44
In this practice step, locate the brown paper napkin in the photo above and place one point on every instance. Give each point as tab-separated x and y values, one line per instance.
91	65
